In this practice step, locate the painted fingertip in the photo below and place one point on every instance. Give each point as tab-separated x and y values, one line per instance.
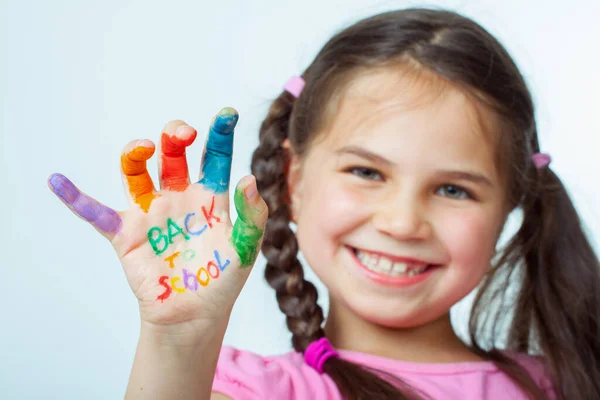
141	153
185	132
247	198
251	191
225	121
63	188
146	143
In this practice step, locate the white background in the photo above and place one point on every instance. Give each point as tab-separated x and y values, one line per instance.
79	79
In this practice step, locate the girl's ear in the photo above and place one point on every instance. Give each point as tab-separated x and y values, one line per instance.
293	179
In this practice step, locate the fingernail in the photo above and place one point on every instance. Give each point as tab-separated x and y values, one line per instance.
226	120
184	131
251	193
144	143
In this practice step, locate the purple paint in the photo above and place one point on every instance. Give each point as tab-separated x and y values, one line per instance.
187	277
104	218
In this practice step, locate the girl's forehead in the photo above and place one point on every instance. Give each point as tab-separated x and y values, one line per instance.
383	103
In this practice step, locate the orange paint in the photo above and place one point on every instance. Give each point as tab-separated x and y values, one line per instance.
171	258
139	183
174	163
201	281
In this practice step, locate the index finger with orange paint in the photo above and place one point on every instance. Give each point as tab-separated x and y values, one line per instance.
136	179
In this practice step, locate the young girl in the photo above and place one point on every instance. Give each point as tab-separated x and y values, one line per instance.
398	155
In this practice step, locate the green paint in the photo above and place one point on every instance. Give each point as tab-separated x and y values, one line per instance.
173	226
189	254
155	241
245	235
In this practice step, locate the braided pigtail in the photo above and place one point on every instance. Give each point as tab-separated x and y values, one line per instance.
297	297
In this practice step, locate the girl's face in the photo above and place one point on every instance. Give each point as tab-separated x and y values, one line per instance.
402	178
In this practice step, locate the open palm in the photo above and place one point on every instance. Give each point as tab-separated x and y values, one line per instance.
182	257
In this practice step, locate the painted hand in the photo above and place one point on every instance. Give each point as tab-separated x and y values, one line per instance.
183	258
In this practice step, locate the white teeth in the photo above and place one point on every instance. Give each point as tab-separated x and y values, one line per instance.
400	268
363	257
386	266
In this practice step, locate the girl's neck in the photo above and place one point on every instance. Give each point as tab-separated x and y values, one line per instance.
435	342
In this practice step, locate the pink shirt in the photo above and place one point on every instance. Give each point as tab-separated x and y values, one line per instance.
246	376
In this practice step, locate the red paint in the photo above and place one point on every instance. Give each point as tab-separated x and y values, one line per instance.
209	215
386	280
167	291
216	267
174	173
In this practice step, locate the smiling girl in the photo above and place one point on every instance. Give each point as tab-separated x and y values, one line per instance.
398	154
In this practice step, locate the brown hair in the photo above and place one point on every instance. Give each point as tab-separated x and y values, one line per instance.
555	311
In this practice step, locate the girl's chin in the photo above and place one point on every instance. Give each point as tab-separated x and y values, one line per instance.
393	320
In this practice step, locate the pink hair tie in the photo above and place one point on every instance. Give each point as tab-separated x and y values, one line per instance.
318	352
294	86
541	160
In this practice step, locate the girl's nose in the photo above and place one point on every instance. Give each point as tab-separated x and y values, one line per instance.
403	217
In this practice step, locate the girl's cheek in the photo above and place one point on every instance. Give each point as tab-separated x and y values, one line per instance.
469	237
338	198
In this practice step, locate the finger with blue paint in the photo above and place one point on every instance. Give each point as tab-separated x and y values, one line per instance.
216	160
106	220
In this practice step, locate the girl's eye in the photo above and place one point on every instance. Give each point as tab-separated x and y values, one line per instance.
366	173
456	192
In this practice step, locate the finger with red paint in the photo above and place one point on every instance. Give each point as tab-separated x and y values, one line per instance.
106	220
216	159
136	179
172	165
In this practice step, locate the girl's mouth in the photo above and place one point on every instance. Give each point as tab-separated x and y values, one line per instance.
388	271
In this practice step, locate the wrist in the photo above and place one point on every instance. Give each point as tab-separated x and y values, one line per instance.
186	335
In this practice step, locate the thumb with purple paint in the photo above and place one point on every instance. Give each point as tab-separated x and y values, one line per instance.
183	258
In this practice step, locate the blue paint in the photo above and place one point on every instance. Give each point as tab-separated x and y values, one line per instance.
216	166
196	233
221	266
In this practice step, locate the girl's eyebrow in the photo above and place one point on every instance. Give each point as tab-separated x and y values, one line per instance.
449	174
366	154
466	176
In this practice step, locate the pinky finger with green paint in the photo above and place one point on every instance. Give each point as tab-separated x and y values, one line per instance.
250	224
